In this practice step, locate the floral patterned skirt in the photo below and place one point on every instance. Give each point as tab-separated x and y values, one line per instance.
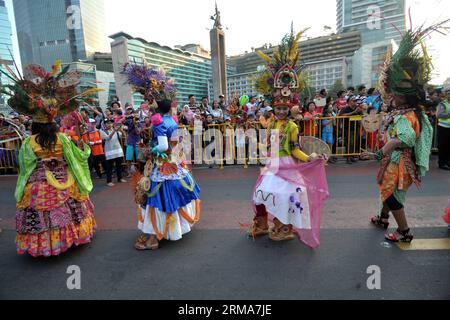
48	220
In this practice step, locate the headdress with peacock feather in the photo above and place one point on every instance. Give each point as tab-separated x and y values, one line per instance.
44	95
283	78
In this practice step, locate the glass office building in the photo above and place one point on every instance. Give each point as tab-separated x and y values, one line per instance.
91	77
69	30
6	49
381	24
189	70
327	59
377	20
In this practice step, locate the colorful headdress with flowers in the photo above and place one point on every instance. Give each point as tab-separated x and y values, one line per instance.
151	83
283	78
406	72
44	95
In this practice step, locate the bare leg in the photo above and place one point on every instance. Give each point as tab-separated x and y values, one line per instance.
385	211
400	218
403	233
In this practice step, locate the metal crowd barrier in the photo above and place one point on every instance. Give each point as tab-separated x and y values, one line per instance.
242	145
9	155
239	144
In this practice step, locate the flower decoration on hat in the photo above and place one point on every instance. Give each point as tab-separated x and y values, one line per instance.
151	83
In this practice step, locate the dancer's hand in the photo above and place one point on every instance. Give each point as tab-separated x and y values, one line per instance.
313	157
369	155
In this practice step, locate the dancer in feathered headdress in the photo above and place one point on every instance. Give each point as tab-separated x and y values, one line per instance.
283	79
167	194
151	83
409	134
52	193
283	190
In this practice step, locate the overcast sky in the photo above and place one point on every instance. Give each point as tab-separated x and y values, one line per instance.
252	23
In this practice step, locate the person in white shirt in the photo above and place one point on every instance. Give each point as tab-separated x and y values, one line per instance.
112	136
251	107
216	112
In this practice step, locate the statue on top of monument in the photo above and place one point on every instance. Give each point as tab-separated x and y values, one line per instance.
216	18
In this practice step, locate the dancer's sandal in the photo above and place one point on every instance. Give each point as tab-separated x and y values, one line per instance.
380	221
144	243
260	227
281	232
400	236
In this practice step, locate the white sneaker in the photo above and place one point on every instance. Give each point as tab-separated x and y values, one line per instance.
123	181
110	184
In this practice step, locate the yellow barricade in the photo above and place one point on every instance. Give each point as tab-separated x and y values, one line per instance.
240	144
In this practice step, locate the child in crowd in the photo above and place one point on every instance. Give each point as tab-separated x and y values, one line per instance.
119	116
328	122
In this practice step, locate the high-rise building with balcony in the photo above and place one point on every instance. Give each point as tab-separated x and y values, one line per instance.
327	59
377	20
381	24
190	70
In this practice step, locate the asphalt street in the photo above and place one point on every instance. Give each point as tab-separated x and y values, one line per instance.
218	261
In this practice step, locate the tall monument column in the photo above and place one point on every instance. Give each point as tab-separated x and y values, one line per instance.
218	57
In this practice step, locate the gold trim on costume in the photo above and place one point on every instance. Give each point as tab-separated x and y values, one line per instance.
56	184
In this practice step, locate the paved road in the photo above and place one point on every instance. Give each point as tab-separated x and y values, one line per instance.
217	261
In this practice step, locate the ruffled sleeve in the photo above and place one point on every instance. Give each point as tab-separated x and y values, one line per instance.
78	162
296	152
27	163
160	130
404	131
422	148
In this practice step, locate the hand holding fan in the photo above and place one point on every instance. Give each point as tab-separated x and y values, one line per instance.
314	147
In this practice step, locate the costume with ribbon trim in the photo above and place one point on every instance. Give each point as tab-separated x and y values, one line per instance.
291	189
54	211
167	194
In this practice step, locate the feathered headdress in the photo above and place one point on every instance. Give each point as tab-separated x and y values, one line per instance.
406	72
282	78
44	95
151	83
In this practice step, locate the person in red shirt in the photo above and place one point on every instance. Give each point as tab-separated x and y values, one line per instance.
310	117
341	102
93	138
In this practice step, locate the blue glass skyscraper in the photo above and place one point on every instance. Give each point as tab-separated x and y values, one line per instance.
6	48
69	30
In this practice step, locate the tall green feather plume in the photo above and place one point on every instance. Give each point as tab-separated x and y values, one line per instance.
410	67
